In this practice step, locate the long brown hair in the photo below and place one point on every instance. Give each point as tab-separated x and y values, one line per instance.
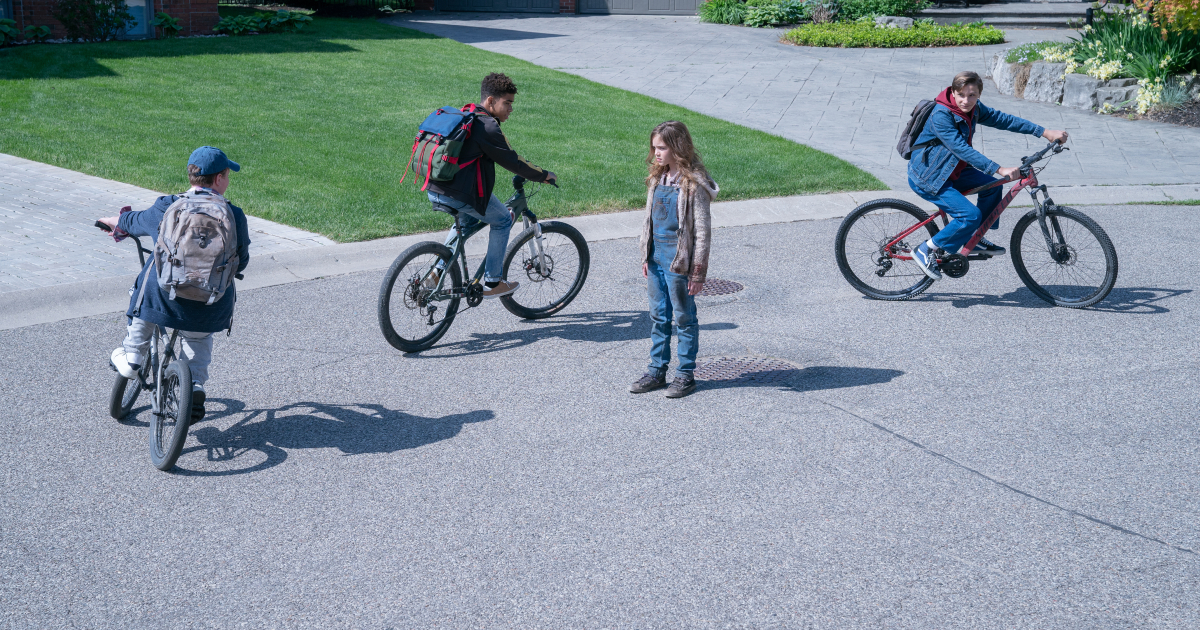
675	135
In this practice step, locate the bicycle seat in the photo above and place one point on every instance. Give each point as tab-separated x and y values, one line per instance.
444	208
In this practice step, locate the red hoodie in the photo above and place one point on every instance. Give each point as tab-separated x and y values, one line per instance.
945	99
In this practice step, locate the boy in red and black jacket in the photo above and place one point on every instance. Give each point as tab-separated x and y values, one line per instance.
470	192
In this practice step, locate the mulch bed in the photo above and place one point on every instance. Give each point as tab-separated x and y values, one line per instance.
1187	115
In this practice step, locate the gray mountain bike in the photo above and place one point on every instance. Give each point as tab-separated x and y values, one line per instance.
168	379
423	290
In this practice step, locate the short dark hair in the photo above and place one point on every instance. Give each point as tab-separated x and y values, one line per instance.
497	85
196	179
965	78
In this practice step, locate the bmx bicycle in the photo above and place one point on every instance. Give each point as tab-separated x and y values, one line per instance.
170	382
1068	260
423	290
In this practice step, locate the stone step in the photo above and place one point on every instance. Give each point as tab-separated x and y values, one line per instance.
1016	22
1014	14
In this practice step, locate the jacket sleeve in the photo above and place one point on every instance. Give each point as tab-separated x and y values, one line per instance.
944	128
999	120
145	222
702	218
243	231
494	145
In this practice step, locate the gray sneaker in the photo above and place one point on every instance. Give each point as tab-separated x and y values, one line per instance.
501	290
681	386
648	383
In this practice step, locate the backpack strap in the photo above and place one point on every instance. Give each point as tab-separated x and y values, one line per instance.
137	309
408	164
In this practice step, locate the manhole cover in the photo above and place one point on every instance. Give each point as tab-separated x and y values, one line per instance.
716	286
744	369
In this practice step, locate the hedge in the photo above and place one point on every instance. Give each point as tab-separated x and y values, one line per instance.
867	35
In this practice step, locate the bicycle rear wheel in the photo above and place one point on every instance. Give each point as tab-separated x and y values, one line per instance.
545	288
866	264
409	319
168	428
1076	270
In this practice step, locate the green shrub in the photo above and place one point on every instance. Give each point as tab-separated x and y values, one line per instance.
8	32
867	35
723	12
39	33
772	13
167	25
281	21
854	9
93	20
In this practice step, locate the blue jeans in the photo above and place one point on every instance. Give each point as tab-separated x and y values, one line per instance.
669	300
965	216
497	216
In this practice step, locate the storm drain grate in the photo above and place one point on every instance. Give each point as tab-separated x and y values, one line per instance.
744	369
716	286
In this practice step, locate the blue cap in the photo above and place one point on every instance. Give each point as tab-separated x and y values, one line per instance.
211	161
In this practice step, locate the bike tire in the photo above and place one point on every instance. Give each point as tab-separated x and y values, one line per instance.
168	428
1085	284
877	223
400	313
542	295
124	395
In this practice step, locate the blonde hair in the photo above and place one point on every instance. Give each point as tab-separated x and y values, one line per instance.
675	135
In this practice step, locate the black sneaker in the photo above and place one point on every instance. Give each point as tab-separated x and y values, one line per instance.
681	386
988	248
197	405
648	383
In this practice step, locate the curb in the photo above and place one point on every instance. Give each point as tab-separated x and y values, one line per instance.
69	301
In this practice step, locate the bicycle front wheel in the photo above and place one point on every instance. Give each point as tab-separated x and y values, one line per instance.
168	428
1075	269
866	261
413	312
124	394
550	275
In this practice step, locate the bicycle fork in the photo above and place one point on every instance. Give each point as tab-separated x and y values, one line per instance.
1055	243
537	250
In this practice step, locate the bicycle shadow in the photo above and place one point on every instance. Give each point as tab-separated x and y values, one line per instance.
1136	300
602	327
809	379
262	438
131	418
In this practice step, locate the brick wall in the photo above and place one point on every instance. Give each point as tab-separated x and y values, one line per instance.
566	6
195	16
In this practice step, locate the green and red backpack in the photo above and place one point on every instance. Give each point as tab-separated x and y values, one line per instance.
439	142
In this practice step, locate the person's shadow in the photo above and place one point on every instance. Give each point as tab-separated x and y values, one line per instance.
262	437
1137	300
601	327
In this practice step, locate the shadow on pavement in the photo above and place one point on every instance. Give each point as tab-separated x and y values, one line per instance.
604	327
1138	300
475	34
261	438
809	379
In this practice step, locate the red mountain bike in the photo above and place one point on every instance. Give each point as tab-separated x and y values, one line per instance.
1068	261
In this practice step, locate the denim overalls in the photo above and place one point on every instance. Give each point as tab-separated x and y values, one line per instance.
668	291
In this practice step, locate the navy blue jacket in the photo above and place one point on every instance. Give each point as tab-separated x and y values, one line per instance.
931	166
179	313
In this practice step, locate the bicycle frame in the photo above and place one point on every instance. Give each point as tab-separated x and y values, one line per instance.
519	205
1027	181
158	366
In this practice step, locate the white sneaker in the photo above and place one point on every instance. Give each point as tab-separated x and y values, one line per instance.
122	365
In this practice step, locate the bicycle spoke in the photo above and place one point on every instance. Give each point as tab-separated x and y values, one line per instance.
415	310
541	288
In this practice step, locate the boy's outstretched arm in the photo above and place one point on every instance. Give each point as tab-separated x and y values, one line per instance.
496	147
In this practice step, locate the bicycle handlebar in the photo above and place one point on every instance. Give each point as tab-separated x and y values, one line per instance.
1028	161
519	182
142	250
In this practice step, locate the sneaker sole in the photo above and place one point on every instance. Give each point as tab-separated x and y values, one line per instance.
500	295
646	391
682	393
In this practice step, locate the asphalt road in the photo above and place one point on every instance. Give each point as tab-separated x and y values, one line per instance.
974	458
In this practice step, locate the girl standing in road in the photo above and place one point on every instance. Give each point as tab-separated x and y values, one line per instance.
674	247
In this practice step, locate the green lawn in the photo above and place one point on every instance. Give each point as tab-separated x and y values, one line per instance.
322	122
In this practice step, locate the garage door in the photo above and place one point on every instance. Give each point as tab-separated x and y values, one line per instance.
665	7
503	6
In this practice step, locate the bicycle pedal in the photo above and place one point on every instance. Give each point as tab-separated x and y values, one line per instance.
979	257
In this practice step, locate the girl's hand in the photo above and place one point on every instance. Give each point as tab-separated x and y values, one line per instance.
645	270
694	288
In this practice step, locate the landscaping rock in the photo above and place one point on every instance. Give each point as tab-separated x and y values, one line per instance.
1045	83
1006	75
1079	90
1121	83
890	21
1116	96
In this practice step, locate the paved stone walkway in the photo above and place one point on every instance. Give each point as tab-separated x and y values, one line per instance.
852	103
48	237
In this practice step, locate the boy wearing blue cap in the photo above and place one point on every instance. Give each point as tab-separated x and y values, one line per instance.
150	304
